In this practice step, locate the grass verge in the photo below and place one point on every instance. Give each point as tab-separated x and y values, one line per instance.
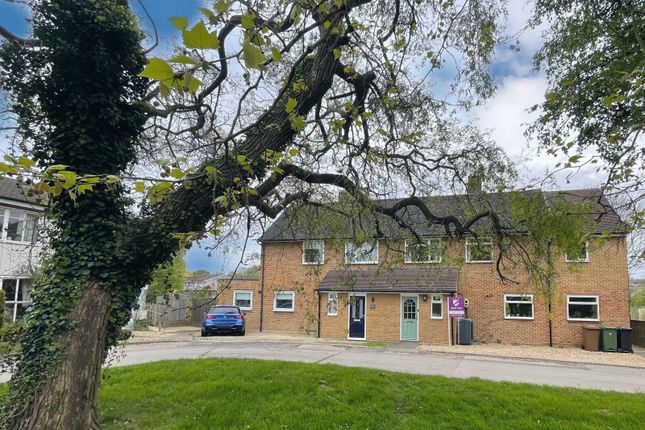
253	394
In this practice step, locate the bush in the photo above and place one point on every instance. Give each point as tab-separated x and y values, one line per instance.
141	325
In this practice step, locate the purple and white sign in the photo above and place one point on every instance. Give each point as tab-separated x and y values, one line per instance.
456	307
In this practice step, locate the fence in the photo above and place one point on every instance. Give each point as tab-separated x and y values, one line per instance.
179	309
638	332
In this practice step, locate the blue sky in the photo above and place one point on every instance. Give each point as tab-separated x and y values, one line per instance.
504	115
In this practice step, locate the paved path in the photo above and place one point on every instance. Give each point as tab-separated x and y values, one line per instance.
451	365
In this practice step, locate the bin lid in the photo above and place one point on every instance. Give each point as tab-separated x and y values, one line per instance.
625	328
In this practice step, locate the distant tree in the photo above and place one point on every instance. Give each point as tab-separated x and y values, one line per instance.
198	272
251	272
167	278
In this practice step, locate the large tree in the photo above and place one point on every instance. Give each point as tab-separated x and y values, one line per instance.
264	104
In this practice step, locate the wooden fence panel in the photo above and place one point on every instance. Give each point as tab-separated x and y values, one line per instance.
638	333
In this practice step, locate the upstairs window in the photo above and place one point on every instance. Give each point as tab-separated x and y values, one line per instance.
313	252
581	256
18	226
518	307
243	300
428	252
365	253
479	251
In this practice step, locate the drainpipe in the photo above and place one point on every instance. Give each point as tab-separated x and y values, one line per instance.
261	285
318	331
550	326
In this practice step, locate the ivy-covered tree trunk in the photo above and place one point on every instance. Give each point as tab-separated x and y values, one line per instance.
78	100
67	400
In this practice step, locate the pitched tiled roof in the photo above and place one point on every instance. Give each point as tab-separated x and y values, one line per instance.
11	189
390	280
314	222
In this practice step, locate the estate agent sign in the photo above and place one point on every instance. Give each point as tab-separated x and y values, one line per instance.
456	308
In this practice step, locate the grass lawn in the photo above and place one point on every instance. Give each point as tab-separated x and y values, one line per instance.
253	394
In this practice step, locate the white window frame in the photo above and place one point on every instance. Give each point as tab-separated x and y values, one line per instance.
350	243
293	301
11	301
507	301
473	242
235	292
6	211
329	301
582	260
320	245
429	242
569	297
432	302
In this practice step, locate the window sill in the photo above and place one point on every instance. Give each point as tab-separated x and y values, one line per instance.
583	320
313	264
423	262
479	262
282	310
436	318
519	318
361	263
332	315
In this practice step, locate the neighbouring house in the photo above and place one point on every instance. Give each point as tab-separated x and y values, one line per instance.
321	274
20	246
202	281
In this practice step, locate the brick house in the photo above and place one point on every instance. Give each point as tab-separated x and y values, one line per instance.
323	281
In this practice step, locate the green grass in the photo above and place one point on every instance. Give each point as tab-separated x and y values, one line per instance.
252	394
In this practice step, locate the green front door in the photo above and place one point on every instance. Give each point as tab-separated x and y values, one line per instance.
409	316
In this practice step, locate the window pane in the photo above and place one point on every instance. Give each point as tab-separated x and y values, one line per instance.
313	251
21	308
519	299
583	299
519	310
436	309
243	299
583	311
283	301
26	286
363	253
2	210
479	251
31	229
332	305
579	254
14	227
9	287
312	255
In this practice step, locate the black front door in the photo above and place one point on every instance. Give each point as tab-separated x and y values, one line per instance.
357	317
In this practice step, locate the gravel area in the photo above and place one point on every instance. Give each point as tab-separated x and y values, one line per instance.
577	355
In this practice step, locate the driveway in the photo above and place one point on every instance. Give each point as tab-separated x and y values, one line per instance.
561	374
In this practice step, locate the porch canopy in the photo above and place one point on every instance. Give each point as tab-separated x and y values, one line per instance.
388	280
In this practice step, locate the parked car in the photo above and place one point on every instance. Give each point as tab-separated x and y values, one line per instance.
224	319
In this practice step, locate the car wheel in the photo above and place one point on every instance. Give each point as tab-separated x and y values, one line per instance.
242	332
204	334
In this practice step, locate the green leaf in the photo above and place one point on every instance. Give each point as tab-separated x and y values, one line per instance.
184	59
180	22
276	55
211	170
139	186
291	105
221	6
68	178
297	122
158	70
83	188
198	37
253	57
190	83
26	162
164	90
293	152
177	173
248	21
207	12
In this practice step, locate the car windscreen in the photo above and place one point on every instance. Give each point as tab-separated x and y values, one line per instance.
224	310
